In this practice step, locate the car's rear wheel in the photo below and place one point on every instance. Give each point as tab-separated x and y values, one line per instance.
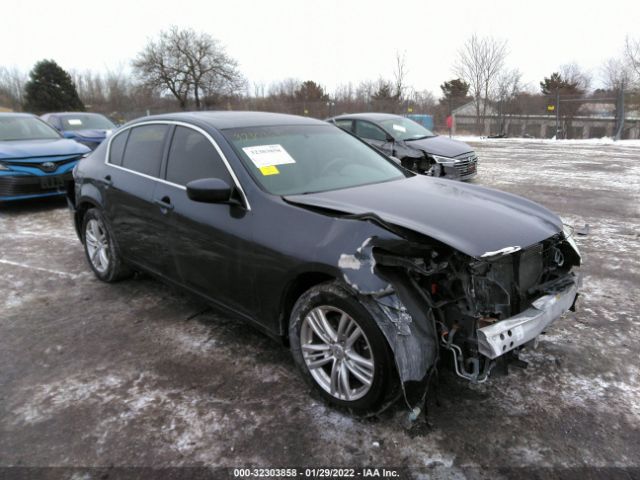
100	248
339	348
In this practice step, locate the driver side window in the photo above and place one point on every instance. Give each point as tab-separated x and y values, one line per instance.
369	131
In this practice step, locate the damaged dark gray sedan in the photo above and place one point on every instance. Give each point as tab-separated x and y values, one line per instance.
368	271
417	148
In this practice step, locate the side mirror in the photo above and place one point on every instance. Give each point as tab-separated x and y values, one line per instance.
209	190
390	139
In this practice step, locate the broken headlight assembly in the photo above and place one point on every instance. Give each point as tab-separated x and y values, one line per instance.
446	161
569	232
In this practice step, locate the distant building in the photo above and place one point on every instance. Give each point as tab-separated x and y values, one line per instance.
593	120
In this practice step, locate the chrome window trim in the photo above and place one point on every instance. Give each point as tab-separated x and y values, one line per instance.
181	124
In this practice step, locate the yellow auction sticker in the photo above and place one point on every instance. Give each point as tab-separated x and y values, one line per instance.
269	170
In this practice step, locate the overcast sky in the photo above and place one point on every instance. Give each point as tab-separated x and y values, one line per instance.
328	41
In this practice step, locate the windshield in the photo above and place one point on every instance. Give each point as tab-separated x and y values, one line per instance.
25	128
289	160
405	129
86	122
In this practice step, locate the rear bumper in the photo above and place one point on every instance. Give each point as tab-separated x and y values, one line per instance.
504	336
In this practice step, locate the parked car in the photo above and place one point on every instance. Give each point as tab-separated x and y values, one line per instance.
35	161
90	129
367	270
417	148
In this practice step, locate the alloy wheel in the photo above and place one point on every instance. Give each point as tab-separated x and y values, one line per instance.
97	245
337	353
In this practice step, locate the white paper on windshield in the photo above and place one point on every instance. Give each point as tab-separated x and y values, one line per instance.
75	121
268	155
399	128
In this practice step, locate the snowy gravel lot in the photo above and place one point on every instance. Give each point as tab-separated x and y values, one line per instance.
119	375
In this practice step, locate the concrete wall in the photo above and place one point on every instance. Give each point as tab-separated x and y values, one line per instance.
544	126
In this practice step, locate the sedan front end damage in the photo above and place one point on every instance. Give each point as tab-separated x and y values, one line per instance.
463	167
475	272
501	337
427	296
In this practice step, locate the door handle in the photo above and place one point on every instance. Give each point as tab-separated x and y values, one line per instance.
107	181
164	204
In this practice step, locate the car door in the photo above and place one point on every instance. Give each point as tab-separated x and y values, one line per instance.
134	163
211	242
374	136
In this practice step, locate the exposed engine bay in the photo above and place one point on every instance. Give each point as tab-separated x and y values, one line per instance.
480	308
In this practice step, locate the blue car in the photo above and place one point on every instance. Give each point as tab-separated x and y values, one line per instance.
90	129
35	160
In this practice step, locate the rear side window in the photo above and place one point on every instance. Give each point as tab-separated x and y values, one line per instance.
144	149
345	125
117	148
192	156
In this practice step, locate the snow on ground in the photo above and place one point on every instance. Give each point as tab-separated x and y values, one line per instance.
559	142
124	374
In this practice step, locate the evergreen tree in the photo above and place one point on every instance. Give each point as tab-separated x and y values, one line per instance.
556	83
385	93
310	91
455	93
50	89
456	88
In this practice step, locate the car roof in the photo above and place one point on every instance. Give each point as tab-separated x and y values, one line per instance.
17	114
56	114
234	119
367	116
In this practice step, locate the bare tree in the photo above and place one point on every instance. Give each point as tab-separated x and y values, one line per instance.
119	89
617	74
161	66
508	84
188	65
12	81
90	87
365	91
479	63
575	75
506	89
400	75
632	54
285	89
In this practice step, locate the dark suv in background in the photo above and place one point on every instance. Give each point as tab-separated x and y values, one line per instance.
417	148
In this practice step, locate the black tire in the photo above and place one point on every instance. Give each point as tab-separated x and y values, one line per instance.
116	269
335	294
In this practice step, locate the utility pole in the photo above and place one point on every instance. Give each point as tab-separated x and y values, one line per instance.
557	113
620	113
450	112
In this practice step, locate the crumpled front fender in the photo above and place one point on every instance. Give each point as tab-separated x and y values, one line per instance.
400	311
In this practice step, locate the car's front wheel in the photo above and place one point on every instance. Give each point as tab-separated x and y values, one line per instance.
100	248
339	348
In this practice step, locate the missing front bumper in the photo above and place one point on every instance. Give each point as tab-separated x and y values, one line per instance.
504	336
